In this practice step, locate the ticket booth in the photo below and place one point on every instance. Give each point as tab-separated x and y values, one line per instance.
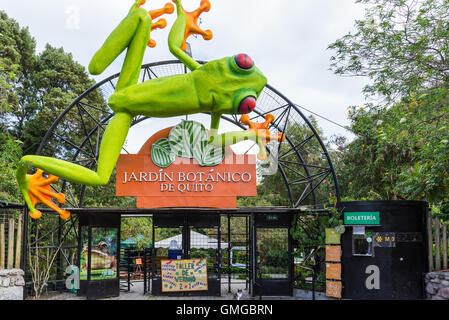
384	255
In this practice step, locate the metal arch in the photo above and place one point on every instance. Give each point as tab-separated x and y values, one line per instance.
147	69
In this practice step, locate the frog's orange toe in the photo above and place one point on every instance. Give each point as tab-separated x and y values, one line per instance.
208	35
161	23
262	133
64	214
36	214
60	197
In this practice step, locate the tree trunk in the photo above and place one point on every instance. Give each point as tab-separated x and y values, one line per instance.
11	244
19	242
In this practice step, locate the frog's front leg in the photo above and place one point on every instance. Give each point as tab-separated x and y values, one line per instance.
186	25
258	132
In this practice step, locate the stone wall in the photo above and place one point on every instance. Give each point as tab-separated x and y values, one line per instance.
11	284
437	285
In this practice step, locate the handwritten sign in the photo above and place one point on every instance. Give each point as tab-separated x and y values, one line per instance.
332	237
333	271
333	289
333	253
184	275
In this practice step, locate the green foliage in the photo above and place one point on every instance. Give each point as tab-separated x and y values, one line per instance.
136	227
7	77
16	59
401	45
401	147
10	154
309	230
400	152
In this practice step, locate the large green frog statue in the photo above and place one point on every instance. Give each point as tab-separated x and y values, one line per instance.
226	86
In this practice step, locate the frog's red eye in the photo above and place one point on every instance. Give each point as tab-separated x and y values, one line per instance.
247	105
244	61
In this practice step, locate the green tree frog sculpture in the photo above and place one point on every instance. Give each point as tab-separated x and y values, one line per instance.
226	86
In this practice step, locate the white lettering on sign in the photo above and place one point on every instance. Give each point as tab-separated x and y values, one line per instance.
358	218
187	181
373	280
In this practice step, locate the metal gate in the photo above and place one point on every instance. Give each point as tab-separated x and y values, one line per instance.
194	236
272	262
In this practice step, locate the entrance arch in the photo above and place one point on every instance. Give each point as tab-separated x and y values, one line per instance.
304	162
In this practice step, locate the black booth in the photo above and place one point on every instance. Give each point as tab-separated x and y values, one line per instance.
384	250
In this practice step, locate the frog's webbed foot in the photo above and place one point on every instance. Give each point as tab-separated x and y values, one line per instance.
192	26
161	23
263	135
39	191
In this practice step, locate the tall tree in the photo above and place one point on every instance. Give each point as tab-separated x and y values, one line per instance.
54	82
16	60
401	45
401	149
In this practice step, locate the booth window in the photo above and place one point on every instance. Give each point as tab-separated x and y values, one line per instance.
362	245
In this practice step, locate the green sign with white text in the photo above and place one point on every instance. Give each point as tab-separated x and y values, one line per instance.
362	218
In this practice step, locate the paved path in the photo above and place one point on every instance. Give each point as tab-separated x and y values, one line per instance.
136	293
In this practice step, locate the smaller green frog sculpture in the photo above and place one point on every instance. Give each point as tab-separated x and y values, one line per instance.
226	86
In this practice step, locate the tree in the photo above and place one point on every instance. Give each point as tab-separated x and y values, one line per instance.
54	82
401	148
16	59
401	45
7	78
10	154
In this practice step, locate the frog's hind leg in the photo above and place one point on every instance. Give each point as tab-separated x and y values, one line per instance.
111	145
132	33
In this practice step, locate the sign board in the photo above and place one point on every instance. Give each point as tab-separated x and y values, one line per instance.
333	253
185	183
384	239
184	275
361	218
332	237
333	271
333	289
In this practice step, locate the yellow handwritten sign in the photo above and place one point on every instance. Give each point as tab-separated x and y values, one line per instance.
184	275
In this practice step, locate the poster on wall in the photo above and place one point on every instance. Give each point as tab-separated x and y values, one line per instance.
103	254
184	275
333	289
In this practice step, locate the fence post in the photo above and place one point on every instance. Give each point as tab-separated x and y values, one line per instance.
2	246
437	245
19	242
444	246
10	264
429	241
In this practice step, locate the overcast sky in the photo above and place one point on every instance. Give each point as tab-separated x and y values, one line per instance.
286	38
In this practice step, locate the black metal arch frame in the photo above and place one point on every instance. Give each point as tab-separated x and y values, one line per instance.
286	114
293	155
